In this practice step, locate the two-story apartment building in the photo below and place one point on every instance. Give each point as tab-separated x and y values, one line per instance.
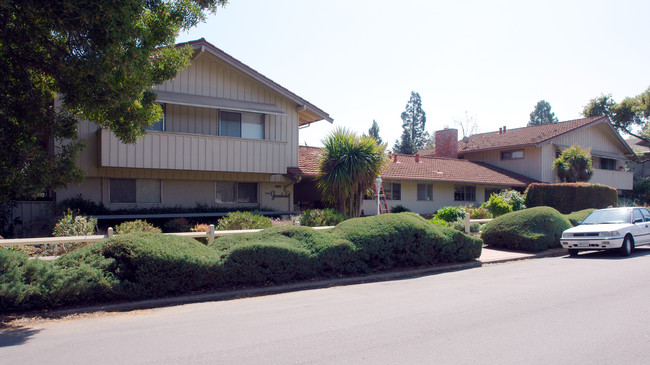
530	151
227	138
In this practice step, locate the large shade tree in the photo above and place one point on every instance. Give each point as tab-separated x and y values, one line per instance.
347	169
630	116
101	59
574	165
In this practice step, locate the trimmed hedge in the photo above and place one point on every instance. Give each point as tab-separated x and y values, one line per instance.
146	265
130	266
532	229
576	217
571	197
406	239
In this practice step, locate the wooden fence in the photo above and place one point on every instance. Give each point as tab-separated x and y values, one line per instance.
210	234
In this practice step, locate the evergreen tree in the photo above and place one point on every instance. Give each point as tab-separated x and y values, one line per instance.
405	145
542	114
374	132
414	119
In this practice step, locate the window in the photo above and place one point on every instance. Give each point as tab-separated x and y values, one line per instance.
646	214
607	164
135	191
243	125
489	192
512	155
234	192
392	191
637	215
465	193
425	192
160	124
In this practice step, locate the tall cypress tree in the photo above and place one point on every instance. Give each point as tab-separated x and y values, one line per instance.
414	119
374	132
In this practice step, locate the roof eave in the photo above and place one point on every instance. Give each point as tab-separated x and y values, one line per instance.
201	46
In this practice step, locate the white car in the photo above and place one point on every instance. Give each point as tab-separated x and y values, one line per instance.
611	228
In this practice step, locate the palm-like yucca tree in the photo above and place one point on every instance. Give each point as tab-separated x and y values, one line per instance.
574	165
347	168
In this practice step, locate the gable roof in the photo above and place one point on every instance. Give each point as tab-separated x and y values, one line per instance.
530	136
638	144
307	112
428	169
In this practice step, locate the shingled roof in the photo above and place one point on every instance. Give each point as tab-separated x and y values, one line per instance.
435	169
521	137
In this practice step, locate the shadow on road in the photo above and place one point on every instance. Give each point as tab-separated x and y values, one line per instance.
12	336
610	254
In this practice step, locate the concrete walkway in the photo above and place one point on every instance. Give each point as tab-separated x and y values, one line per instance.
490	255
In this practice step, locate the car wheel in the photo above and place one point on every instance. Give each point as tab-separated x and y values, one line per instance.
573	252
626	249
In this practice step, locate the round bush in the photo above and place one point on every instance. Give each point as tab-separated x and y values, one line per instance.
576	217
532	230
243	220
406	239
450	214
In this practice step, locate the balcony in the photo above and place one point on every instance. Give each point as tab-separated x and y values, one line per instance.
617	179
193	152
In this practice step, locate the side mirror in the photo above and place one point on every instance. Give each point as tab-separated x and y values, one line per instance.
637	220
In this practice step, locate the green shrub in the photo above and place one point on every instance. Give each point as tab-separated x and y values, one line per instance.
576	217
571	197
243	220
148	265
136	226
438	221
73	224
399	209
34	284
532	229
514	198
497	206
267	262
478	213
406	239
450	214
321	217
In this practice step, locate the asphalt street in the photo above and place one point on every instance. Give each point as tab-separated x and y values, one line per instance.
590	309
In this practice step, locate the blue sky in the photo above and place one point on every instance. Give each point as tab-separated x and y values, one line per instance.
359	60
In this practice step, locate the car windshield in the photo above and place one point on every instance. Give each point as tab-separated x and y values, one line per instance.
609	216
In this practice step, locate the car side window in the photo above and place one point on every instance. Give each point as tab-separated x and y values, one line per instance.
646	214
637	215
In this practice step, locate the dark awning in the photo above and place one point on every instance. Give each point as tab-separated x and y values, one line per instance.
217	103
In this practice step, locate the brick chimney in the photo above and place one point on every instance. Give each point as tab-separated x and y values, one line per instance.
395	157
500	130
417	158
447	143
504	129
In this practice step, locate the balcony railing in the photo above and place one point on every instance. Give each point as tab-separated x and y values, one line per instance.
616	179
164	150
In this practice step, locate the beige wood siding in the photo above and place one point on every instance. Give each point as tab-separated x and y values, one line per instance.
162	150
186	190
443	195
530	165
209	76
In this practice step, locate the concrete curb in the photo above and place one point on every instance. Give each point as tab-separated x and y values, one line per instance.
286	288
